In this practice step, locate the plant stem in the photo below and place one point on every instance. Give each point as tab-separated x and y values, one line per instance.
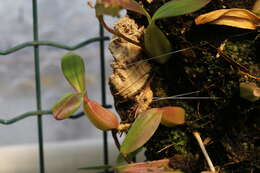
114	135
203	149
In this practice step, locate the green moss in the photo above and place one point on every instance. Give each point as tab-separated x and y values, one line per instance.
230	122
213	118
166	142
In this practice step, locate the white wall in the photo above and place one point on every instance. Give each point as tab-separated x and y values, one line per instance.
59	157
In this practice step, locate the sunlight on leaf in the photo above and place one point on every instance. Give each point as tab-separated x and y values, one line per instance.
157	44
67	105
235	17
178	7
102	118
256	8
172	116
249	91
74	71
141	130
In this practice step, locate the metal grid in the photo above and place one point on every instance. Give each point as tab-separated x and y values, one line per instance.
36	44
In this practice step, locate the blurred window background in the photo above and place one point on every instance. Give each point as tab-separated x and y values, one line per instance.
69	144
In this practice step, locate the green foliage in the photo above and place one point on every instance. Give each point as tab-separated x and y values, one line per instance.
67	105
156	43
178	7
74	71
141	130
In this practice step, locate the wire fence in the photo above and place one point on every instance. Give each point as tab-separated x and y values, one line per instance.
37	44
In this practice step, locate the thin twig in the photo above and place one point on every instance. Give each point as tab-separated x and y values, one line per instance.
186	98
114	135
204	151
159	56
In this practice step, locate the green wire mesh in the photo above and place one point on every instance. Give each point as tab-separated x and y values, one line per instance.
36	44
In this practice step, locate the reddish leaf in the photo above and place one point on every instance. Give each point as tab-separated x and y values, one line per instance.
102	118
67	105
172	116
157	166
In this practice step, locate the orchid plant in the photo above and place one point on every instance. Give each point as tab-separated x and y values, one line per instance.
141	130
155	44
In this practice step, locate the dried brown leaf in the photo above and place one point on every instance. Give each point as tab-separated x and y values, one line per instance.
235	17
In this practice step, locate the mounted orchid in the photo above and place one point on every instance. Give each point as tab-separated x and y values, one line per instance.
141	130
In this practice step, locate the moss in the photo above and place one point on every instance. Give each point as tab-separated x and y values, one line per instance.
166	142
214	77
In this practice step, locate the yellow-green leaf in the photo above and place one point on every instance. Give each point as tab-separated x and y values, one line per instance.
235	17
249	91
102	118
74	71
67	105
172	116
256	8
179	7
141	130
157	44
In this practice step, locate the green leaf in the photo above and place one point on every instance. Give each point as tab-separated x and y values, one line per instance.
101	167
157	44
67	105
179	7
74	71
141	130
